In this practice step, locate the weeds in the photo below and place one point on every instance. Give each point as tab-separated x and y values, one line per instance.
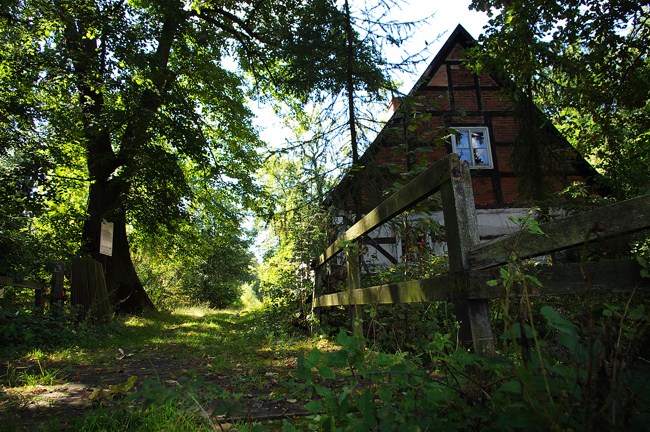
43	376
581	365
561	386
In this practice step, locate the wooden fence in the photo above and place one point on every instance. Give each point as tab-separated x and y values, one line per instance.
471	264
88	293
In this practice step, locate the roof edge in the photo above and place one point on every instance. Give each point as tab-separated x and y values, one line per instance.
459	36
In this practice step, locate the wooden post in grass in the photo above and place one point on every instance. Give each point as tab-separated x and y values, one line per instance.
318	287
354	283
57	293
88	289
461	230
39	300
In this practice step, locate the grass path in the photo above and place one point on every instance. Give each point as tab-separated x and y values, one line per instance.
221	363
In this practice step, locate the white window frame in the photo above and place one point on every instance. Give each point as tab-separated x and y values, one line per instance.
486	140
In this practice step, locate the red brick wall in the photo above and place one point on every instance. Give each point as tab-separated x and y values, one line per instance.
461	76
457	53
504	156
504	129
466	100
495	100
483	191
436	100
510	189
440	78
492	108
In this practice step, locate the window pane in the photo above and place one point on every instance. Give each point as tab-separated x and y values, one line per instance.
462	139
480	157
464	154
472	144
478	140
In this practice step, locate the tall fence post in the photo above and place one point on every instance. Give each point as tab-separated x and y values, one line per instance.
354	282
318	288
461	228
57	293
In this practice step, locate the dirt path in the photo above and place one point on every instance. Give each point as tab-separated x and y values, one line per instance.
244	372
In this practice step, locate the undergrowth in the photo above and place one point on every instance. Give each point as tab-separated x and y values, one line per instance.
578	362
560	379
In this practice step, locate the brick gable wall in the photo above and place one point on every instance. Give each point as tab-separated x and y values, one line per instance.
452	96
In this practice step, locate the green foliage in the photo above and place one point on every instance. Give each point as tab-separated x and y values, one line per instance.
176	405
40	217
135	112
605	385
586	354
586	64
295	230
204	260
356	390
641	252
42	376
408	327
21	329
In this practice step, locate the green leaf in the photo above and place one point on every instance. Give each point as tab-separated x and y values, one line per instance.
638	313
288	427
559	322
534	280
322	391
385	393
325	372
512	386
314	406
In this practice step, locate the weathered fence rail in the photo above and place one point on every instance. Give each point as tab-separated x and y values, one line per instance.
472	264
88	292
22	283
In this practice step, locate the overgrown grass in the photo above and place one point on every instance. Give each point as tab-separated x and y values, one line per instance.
581	366
178	352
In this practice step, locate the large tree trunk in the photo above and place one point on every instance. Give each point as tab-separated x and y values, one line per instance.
108	187
124	288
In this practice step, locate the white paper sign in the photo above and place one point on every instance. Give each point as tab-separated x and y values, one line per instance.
106	239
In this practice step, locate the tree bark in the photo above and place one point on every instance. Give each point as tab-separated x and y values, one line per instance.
108	187
122	282
125	291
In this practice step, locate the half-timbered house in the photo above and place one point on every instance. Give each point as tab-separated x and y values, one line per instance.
479	117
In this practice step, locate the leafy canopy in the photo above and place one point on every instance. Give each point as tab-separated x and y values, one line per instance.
585	62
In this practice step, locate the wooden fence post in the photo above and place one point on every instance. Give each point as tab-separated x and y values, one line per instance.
354	282
57	293
318	286
39	300
461	230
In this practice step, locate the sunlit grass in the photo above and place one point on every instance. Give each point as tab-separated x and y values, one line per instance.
193	311
30	378
245	348
36	354
136	321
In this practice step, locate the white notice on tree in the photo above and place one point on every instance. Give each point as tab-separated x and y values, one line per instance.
106	239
